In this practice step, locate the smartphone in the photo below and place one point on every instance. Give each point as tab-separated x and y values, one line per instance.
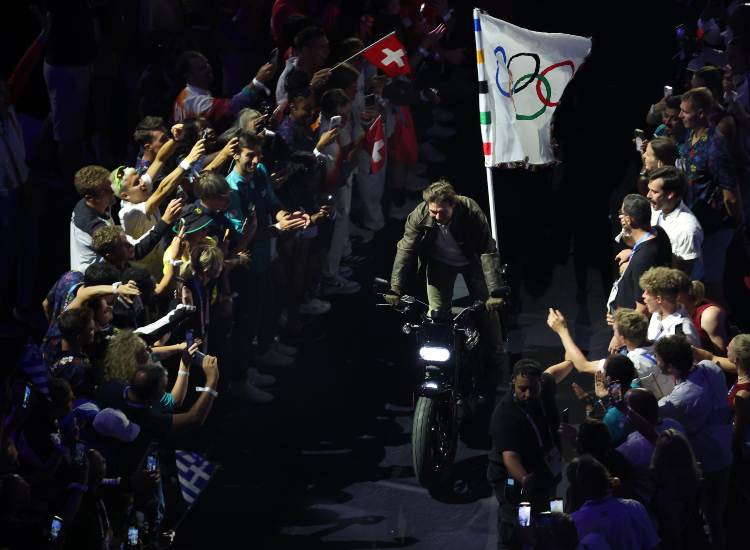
78	452
198	357
556	505
189	339
205	134
152	463
370	100
54	528
336	121
133	536
328	200
181	225
273	59
524	514
565	416
667	91
26	396
640	135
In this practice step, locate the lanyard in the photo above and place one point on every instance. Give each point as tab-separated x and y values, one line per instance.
641	241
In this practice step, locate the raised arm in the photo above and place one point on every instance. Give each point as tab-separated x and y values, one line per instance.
169	183
557	323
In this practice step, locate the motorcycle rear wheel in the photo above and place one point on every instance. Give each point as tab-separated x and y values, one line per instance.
433	442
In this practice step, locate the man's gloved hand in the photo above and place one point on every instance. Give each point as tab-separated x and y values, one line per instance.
493	304
393	297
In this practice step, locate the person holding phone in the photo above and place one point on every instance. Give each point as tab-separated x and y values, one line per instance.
524	463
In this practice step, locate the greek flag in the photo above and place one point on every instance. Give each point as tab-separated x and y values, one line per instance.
522	76
193	472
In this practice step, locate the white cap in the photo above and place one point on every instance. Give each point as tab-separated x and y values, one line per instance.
113	423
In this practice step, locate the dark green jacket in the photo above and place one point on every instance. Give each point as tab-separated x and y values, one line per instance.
472	233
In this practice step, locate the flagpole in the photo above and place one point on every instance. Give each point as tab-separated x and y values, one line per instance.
362	50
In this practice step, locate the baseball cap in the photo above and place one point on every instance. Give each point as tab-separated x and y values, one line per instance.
113	423
196	218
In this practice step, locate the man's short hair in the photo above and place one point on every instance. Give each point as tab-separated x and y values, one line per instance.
741	347
673	102
332	100
101	273
620	369
673	179
638	208
211	185
72	322
528	368
631	324
593	438
297	85
676	352
248	140
346	48
644	403
700	98
246	115
440	191
184	62
142	133
662	281
588	478
343	76
106	238
89	178
307	36
665	150
146	381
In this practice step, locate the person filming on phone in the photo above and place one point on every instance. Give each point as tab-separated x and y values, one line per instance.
524	462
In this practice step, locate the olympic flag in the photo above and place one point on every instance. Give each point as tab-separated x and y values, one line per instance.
522	75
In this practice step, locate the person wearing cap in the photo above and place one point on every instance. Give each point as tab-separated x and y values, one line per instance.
139	207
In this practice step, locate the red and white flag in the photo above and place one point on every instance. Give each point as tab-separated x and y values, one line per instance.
388	55
376	145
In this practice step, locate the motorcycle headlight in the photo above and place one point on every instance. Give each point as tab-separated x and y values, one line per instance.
434	353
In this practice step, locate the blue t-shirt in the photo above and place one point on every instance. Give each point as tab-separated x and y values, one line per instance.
259	193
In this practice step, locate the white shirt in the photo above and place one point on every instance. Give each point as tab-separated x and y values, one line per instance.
685	234
134	219
446	248
648	372
658	327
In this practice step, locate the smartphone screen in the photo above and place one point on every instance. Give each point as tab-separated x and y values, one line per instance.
273	59
335	121
79	451
152	463
369	100
616	392
54	529
26	396
189	339
556	505
133	536
524	514
667	91
565	416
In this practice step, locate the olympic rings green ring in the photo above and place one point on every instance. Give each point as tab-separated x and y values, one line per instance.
547	87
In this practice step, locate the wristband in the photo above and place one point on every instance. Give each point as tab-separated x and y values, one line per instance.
208	390
78	487
424	51
175	263
183	373
185	165
115	286
258	84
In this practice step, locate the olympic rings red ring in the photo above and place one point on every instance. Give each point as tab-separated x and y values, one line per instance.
544	72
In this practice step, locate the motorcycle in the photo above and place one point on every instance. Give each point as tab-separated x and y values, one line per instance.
448	356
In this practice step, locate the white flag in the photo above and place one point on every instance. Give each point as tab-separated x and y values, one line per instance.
522	76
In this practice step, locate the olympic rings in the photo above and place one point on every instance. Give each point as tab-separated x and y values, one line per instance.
546	101
523	82
539	80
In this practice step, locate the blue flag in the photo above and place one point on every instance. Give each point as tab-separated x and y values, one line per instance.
194	472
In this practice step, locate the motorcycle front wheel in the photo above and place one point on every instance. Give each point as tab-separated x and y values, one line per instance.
433	441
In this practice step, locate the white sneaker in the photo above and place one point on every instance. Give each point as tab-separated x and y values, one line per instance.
249	392
282	348
273	358
315	306
428	153
440	132
340	285
258	379
360	233
442	115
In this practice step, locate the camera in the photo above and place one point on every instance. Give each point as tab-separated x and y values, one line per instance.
524	514
152	463
133	536
640	135
26	396
54	528
78	453
556	505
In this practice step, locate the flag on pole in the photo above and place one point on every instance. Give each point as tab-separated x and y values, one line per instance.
388	55
193	472
522	76
376	145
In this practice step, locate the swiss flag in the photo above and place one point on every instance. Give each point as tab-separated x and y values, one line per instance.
376	145
388	55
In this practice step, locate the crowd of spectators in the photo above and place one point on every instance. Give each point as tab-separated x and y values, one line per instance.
200	245
199	248
663	454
